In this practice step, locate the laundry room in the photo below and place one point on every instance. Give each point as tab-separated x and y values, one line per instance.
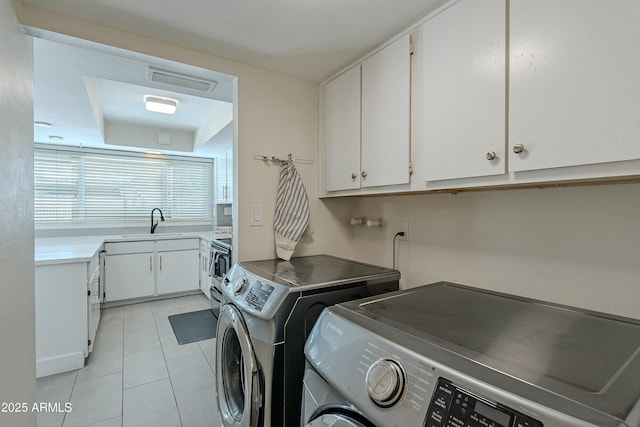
420	214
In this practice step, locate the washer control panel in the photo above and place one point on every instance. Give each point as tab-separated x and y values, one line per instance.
252	293
451	406
259	295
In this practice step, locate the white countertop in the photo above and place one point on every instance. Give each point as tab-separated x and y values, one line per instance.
60	250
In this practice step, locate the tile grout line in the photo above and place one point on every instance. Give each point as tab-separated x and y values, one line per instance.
164	356
122	376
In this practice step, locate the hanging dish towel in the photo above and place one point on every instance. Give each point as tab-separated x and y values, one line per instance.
292	211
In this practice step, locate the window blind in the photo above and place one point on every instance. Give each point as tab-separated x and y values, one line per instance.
97	188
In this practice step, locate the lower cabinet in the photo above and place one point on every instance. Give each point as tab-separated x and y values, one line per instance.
129	276
65	323
178	271
148	268
205	282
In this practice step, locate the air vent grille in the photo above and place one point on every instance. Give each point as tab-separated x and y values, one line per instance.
171	78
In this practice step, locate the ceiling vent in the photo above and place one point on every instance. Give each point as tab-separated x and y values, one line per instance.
167	77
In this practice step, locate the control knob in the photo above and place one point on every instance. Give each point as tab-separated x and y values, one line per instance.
385	382
240	286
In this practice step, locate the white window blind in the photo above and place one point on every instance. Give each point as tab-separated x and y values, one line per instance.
95	187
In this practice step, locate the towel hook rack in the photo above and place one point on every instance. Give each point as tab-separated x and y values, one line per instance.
275	159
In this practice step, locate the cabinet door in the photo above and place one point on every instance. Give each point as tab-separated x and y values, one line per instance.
129	276
573	82
224	177
385	115
60	317
462	53
228	194
342	132
178	271
204	272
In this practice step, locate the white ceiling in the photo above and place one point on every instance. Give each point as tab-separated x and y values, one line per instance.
81	86
311	39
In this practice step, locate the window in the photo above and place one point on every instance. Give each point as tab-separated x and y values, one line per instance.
96	187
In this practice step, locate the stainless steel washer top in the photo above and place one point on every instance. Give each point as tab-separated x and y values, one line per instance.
316	270
557	365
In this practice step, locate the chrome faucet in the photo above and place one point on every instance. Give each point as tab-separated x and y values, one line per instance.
153	226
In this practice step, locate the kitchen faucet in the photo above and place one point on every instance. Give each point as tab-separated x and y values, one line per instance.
153	226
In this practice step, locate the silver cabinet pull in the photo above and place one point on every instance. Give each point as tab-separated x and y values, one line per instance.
518	148
150	264
491	155
364	174
354	176
160	262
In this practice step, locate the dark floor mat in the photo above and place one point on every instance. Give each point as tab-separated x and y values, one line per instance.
194	326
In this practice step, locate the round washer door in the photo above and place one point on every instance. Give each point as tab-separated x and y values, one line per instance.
237	378
334	420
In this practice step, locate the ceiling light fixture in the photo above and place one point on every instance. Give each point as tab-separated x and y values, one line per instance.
42	124
160	105
55	138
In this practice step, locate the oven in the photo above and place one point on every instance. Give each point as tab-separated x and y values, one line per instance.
219	265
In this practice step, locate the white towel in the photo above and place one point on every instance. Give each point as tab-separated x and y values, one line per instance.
292	211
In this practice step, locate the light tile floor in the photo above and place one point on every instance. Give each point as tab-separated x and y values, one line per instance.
137	374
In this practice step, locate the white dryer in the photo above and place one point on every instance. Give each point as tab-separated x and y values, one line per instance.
447	355
268	310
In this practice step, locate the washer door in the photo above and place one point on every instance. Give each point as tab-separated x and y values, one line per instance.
337	416
238	380
334	420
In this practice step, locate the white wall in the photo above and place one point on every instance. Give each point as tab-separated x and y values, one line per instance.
578	246
17	318
277	115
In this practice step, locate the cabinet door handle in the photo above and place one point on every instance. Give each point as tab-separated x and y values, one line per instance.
354	176
491	155
518	148
160	262
364	174
150	263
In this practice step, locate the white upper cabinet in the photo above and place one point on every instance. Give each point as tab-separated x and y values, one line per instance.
574	82
386	100
342	131
224	177
462	53
366	122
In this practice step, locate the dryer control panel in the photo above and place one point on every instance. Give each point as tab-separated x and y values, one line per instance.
451	406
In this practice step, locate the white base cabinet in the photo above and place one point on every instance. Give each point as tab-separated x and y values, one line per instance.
67	308
129	276
178	271
150	268
205	281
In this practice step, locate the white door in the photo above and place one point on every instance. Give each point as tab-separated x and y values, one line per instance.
462	53
129	276
386	87
573	82
342	132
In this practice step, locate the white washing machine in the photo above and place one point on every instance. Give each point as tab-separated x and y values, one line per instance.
447	355
268	309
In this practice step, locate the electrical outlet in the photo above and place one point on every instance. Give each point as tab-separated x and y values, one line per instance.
403	226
